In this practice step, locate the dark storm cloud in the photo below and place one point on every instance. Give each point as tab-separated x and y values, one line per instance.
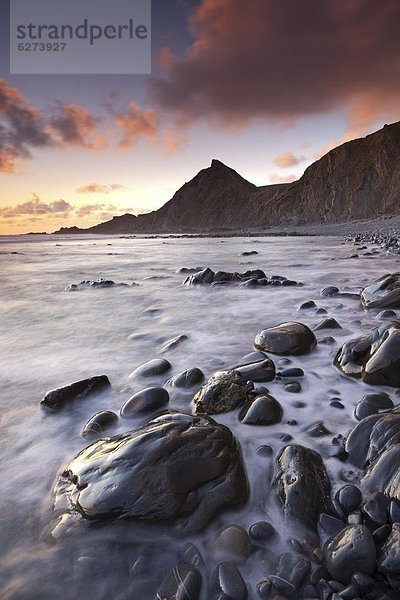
282	59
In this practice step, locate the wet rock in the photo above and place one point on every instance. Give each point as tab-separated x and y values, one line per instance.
394	511
187	379
173	343
350	550
177	467
263	370
73	391
252	357
330	290
151	398
263	410
224	391
384	292
202	277
183	582
349	498
307	305
302	481
377	508
372	436
317	429
293	387
371	404
188	270
288	338
152	368
234	542
327	341
262	531
329	526
374	358
99	423
386	314
292	372
336	404
249	253
293	569
384	474
264	450
231	582
389	555
329	323
98	283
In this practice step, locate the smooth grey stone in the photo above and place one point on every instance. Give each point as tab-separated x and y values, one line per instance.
330	290
286	339
231	581
302	481
173	343
373	358
151	398
262	531
57	399
371	404
336	404
329	526
183	582
389	554
294	387
264	450
156	366
186	379
384	292
263	410
394	511
317	429
349	497
154	472
224	391
377	508
292	372
329	323
381	534
350	550
260	371
99	423
234	542
308	304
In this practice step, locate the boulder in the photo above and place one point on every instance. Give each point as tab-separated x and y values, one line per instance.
224	391
178	467
186	379
286	339
349	551
374	358
152	368
263	410
302	481
151	398
72	391
99	423
384	292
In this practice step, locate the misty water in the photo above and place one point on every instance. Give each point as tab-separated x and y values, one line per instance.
50	337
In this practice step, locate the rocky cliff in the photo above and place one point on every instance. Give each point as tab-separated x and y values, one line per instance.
357	180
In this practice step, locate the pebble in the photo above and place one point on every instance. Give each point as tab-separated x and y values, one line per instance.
261	531
349	497
151	398
263	410
294	387
234	542
317	429
157	366
231	582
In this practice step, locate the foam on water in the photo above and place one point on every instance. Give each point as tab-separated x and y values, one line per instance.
51	337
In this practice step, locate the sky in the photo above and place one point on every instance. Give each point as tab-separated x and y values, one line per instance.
265	86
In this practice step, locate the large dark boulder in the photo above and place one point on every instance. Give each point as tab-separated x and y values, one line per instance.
349	551
72	391
286	339
374	358
303	485
224	391
177	467
384	292
372	436
384	474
